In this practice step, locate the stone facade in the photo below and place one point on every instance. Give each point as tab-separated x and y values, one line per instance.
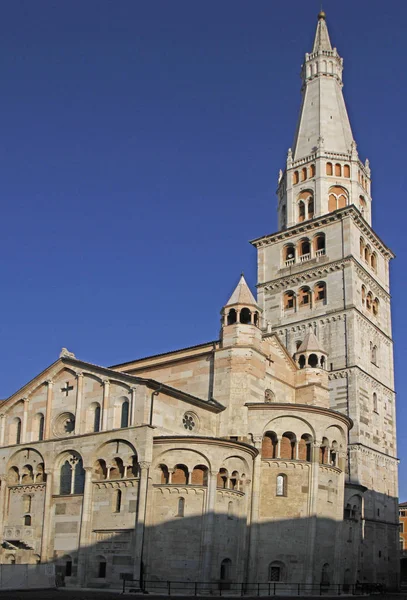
267	455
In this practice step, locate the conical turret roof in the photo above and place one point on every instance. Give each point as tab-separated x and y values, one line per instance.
242	294
311	344
322	41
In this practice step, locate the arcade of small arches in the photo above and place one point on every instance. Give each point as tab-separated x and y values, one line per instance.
303	250
367	255
338	197
305	297
289	446
245	316
337	170
312	360
369	301
304	174
363	180
305	203
180	474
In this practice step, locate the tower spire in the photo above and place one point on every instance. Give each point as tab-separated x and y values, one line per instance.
322	41
323	115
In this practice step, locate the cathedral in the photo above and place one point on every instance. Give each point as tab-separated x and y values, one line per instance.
267	455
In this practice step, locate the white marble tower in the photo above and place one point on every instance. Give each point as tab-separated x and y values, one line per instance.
326	270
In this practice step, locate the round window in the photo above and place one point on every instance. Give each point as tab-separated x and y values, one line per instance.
64	424
190	421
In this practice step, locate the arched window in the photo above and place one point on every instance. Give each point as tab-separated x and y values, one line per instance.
346	171
323	451
281	485
124	416
225	569
269	396
100	470
245	316
319	244
304	174
334	454
269	445
117	501
39	426
27	520
338	170
296	177
287	445
362	247
305	447
367	253
289	254
329	169
27	474
375	306
304	247
289	300
116	471
222	479
313	361
180	475
312	171
362	205
373	354
181	507
233	481
320	292
311	208
72	476
301	211
375	405
230	510
15	431
373	261
96	417
232	317
199	475
338	198
164	474
305	296
302	361
363	294
369	300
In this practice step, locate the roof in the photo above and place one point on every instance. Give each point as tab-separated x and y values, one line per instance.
310	344
242	294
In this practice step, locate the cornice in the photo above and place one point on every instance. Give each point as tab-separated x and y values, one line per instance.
340	373
188	439
300	407
369	450
336	216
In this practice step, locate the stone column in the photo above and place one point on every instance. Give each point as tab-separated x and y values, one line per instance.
48	411
251	574
132	406
312	514
2	428
78	410
46	553
24	423
207	534
86	528
3	490
106	393
140	519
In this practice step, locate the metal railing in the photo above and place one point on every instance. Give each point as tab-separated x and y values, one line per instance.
231	588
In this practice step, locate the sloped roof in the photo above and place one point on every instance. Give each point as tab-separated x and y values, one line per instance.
310	344
242	294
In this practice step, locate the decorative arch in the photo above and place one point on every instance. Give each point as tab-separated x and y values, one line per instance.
289	300
337	198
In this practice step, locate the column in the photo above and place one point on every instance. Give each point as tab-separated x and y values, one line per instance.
140	519
106	393
3	490
133	406
254	526
2	428
207	536
312	514
78	415
48	410
24	423
46	554
86	528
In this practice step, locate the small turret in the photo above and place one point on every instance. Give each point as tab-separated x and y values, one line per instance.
312	378
241	316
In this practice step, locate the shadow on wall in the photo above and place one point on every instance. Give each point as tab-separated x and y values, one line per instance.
222	549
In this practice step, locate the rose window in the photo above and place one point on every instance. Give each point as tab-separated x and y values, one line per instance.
189	422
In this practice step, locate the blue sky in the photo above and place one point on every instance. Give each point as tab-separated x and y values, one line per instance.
140	147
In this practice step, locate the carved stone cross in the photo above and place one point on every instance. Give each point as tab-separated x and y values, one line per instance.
67	388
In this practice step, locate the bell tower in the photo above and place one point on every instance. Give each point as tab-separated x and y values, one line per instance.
327	271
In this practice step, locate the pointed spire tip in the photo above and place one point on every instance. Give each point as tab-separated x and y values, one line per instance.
322	15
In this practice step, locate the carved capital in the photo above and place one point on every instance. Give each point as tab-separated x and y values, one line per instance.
49	382
79	374
144	465
105	382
